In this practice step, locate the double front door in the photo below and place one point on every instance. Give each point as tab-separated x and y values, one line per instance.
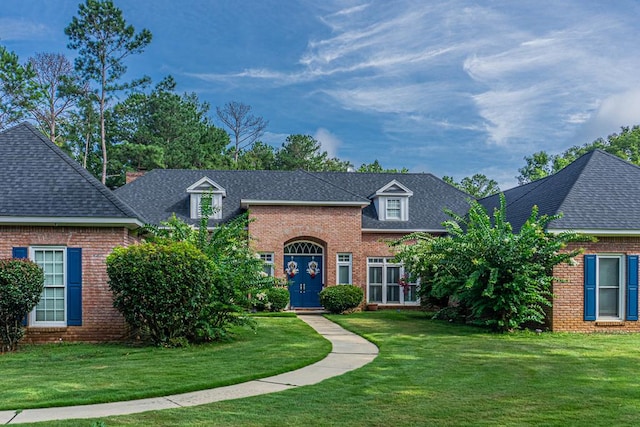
304	273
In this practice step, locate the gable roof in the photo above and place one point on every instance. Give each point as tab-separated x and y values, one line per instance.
161	192
41	185
598	193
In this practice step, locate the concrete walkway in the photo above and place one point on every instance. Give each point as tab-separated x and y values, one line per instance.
349	352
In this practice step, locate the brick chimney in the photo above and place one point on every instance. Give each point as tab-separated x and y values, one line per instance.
132	176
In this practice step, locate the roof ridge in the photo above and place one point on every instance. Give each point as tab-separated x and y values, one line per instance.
575	181
93	181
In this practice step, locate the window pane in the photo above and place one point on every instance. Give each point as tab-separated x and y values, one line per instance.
393	293
411	294
608	302
343	274
609	271
375	293
393	275
393	208
375	275
50	308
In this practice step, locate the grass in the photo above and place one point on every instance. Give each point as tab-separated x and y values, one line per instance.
435	373
72	374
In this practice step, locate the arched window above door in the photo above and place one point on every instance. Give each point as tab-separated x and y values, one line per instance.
303	248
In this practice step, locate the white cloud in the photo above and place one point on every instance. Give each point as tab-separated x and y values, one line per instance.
12	29
615	111
520	76
328	141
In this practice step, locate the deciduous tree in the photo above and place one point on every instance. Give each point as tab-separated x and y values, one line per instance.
54	75
245	128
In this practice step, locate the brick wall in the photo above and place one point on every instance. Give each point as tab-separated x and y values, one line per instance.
336	229
567	313
100	321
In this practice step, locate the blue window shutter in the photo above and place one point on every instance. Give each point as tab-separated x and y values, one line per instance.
589	287
74	287
20	253
632	287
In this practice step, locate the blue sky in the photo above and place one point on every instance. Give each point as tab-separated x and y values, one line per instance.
446	87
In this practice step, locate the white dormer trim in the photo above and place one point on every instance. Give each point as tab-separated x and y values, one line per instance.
392	202
206	185
394	188
202	188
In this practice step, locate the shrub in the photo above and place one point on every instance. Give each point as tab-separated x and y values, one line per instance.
236	270
270	299
21	285
498	278
162	288
278	297
338	299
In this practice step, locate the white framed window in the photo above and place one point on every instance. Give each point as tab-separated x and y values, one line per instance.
610	287
387	283
267	267
344	269
210	202
392	202
52	308
393	209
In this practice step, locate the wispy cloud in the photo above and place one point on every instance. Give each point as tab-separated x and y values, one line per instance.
511	77
12	29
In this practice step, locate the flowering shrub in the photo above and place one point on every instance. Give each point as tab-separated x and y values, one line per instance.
270	299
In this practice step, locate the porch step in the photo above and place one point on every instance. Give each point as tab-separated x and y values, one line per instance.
306	311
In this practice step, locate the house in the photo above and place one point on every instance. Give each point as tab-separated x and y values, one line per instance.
598	195
55	213
316	229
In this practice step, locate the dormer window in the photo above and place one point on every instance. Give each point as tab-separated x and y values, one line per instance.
392	202
206	194
394	210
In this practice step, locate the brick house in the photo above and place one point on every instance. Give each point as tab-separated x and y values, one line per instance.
598	195
316	229
55	213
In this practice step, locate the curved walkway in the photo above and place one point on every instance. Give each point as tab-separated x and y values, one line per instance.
349	352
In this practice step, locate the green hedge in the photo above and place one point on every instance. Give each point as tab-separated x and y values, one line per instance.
163	289
21	285
341	298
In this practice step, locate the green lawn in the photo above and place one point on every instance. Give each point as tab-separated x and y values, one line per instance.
71	374
435	373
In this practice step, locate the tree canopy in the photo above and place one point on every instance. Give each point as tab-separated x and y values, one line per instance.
18	90
103	40
625	145
478	185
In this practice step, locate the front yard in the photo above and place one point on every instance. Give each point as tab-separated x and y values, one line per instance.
76	374
436	373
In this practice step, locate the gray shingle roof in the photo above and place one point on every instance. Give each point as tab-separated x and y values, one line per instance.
38	180
160	193
598	191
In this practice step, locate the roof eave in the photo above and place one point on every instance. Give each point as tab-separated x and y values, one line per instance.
130	223
245	203
403	230
596	231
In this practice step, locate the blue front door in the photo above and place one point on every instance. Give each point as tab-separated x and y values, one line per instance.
304	273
